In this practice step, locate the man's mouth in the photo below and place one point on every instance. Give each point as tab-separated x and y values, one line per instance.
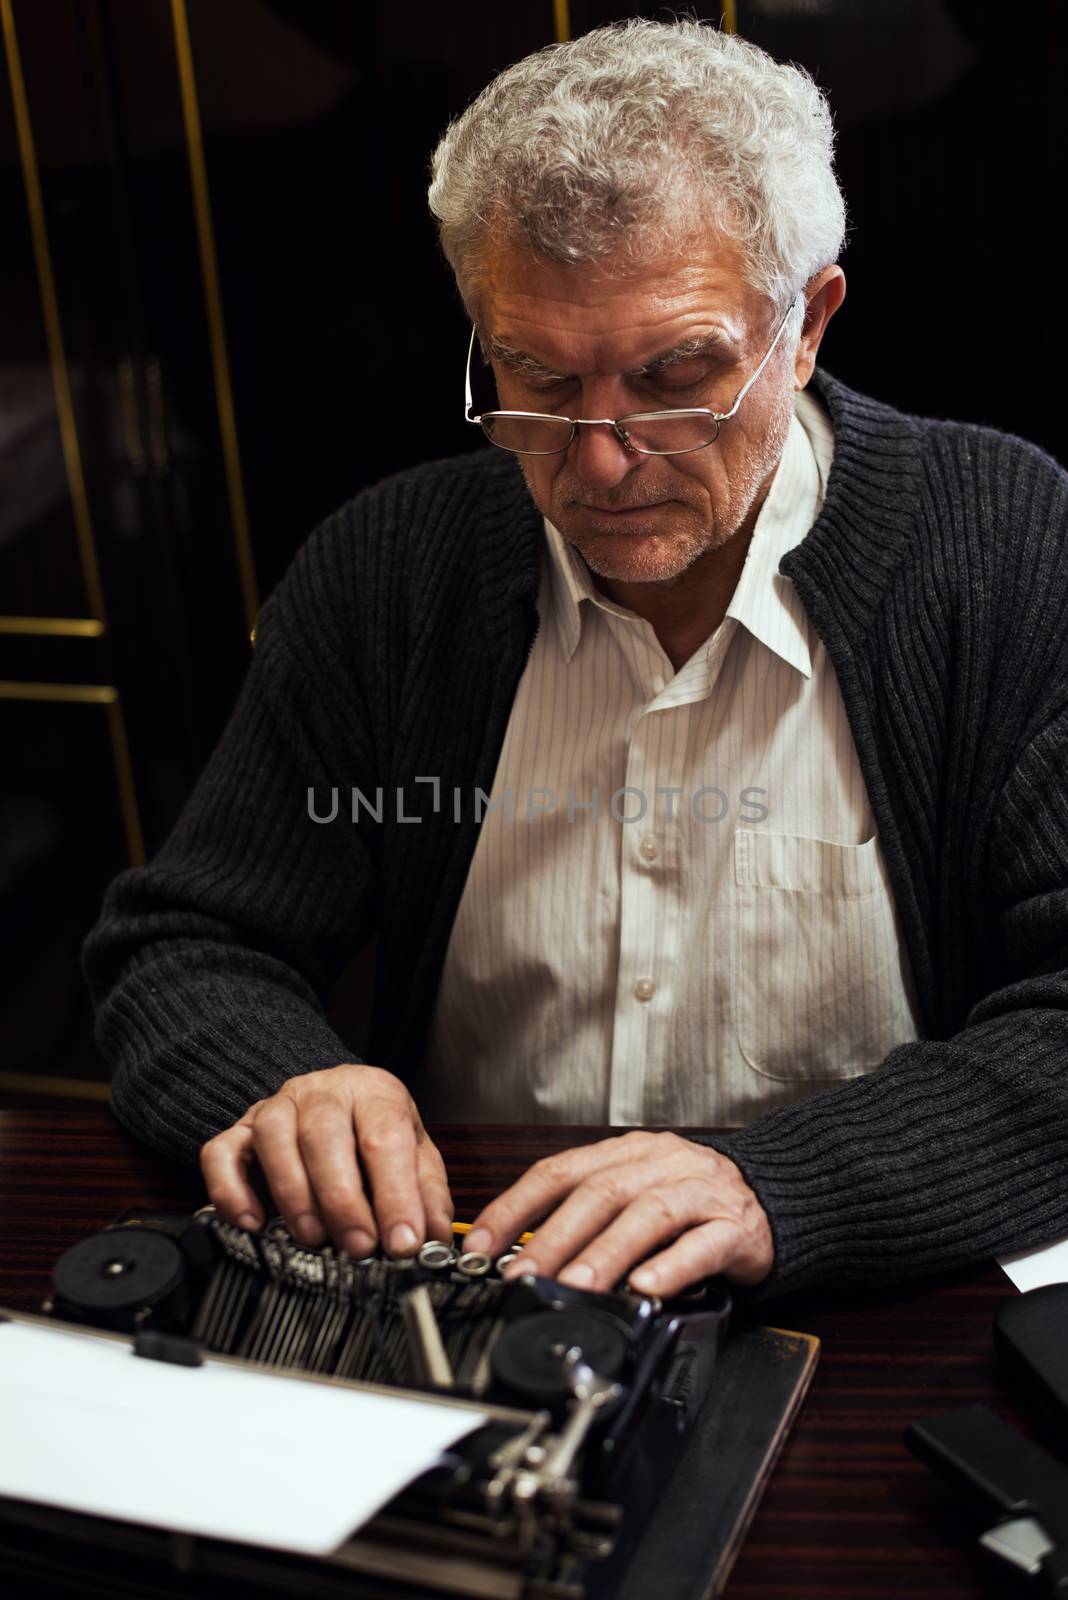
624	511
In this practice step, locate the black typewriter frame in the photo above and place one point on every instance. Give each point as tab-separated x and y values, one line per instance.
637	1448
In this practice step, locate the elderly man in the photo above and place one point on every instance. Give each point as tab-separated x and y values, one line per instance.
697	753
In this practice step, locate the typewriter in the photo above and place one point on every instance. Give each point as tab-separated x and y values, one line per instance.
587	1399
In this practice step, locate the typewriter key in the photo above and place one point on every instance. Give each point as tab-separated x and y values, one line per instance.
436	1256
473	1264
528	1357
110	1277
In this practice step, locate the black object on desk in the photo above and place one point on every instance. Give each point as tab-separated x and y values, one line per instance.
1031	1342
1020	1485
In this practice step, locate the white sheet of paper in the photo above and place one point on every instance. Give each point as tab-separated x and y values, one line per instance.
1030	1269
217	1450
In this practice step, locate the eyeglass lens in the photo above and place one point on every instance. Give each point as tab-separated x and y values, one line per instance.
547	435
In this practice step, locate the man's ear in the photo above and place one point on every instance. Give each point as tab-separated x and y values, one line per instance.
824	294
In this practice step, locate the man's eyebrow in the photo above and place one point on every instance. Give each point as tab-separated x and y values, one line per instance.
716	344
518	361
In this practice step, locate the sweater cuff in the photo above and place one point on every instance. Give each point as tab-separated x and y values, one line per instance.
204	1081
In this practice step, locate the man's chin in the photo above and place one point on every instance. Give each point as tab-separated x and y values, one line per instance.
636	558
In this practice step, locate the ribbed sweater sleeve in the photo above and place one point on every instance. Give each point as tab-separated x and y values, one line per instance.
208	967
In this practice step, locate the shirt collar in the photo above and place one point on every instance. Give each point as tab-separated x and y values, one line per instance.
764	600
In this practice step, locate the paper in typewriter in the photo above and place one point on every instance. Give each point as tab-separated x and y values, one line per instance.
216	1450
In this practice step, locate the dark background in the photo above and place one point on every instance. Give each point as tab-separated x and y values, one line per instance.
232	382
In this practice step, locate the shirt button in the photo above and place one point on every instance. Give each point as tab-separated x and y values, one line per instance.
648	849
644	989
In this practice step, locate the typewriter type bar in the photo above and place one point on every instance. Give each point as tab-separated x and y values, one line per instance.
590	1395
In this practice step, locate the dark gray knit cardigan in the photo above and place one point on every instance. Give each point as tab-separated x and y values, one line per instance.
937	577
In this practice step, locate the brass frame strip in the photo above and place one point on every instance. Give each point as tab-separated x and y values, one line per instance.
96	694
66	1088
120	755
209	267
730	16
75	627
99	694
53	329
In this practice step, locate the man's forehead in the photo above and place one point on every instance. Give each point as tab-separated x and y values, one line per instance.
546	313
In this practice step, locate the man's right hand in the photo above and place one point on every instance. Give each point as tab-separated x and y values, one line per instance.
344	1154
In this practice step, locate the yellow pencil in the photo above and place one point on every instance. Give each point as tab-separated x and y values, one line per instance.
465	1227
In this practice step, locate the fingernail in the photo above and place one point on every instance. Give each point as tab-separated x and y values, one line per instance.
579	1275
644	1278
308	1229
248	1221
478	1239
357	1242
515	1268
402	1239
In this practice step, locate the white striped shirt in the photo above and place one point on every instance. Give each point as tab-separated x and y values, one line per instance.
677	911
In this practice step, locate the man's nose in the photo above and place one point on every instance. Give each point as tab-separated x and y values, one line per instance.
600	458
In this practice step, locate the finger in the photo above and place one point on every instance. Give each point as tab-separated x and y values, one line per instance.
278	1152
584	1214
538	1191
655	1216
386	1142
224	1163
326	1138
713	1247
438	1208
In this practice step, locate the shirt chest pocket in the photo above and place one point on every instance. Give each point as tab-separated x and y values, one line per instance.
818	987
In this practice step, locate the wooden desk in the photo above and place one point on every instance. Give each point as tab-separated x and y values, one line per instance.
849	1512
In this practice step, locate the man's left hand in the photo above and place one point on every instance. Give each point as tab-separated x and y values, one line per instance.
681	1209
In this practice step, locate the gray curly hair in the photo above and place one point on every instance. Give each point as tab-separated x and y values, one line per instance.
631	142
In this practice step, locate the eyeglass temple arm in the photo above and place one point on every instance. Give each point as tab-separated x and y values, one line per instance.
467	378
744	390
